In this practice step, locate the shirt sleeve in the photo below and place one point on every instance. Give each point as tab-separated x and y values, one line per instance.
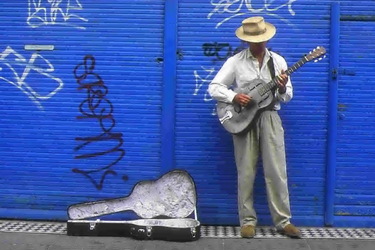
219	87
288	95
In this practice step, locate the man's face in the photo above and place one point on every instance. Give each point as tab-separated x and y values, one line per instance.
258	47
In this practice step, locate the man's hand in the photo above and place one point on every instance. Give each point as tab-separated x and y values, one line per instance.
281	81
242	99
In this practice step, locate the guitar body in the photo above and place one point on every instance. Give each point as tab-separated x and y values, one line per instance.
237	119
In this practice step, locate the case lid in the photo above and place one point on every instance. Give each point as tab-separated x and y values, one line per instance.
172	195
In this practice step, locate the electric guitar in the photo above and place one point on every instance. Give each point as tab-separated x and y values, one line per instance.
237	119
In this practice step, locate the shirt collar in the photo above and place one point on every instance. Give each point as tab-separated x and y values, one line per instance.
267	55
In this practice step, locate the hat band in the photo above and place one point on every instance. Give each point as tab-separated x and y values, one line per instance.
255	33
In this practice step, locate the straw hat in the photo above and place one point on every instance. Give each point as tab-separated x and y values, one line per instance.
255	30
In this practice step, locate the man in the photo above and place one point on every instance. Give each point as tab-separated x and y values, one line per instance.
266	136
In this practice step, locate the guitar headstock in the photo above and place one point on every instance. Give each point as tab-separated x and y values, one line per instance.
317	54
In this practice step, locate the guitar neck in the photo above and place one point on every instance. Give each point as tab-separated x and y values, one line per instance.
296	66
267	87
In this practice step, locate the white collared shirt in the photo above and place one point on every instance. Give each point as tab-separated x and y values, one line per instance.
244	67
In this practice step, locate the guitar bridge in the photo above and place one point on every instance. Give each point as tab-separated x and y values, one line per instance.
228	115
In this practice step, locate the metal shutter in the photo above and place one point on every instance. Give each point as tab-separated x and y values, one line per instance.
355	176
205	39
45	134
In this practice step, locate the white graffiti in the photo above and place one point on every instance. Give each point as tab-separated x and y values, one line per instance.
54	12
200	81
237	8
13	60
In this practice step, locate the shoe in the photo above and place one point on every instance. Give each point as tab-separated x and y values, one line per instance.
291	231
248	231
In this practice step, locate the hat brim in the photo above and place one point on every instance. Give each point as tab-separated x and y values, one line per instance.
270	32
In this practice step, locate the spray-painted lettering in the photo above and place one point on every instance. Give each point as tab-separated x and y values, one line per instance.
204	77
200	81
54	12
235	8
12	60
220	51
99	108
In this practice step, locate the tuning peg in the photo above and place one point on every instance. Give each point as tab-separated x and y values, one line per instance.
319	59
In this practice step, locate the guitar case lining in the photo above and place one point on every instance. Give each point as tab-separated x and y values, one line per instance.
172	197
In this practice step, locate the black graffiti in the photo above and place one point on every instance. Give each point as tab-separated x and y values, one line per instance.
97	106
221	51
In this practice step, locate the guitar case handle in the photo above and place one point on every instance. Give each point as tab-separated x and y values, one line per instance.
141	233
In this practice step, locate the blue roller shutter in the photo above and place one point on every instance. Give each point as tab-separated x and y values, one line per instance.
355	176
205	39
81	114
81	85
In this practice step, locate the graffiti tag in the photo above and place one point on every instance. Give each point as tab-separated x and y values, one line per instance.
204	77
200	81
221	51
54	12
12	60
237	8
96	106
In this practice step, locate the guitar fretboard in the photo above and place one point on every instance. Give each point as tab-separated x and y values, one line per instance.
267	87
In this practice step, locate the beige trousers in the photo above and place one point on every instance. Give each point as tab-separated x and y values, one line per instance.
267	138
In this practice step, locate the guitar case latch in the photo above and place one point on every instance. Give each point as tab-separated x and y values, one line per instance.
149	231
193	232
93	225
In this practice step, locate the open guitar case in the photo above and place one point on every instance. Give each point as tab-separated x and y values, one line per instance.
166	207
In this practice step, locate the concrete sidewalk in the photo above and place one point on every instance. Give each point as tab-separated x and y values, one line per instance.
35	241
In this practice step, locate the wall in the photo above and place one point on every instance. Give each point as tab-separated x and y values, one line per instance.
206	40
81	117
118	94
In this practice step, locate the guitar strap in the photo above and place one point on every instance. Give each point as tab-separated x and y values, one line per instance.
271	67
